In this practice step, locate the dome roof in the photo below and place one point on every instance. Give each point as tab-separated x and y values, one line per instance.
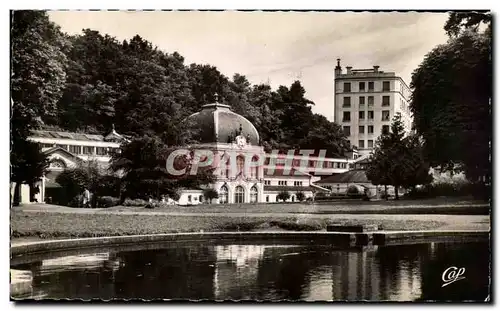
217	123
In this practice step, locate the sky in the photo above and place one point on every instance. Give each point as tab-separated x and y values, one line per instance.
278	47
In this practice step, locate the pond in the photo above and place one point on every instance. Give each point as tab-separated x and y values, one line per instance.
263	272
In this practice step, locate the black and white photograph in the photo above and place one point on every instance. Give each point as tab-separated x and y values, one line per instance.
251	156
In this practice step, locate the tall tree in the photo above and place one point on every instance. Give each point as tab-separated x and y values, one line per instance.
398	160
38	70
38	76
451	101
459	21
142	163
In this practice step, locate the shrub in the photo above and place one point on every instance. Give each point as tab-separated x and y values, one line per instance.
352	190
135	202
300	196
450	189
209	194
283	195
107	201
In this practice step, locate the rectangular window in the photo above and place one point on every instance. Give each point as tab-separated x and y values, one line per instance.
361	144
370	143
370	86
47	145
88	150
371	100
267	182
370	129
347	87
347	116
385	129
75	149
386	101
370	115
347	102
385	115
267	198
312	163
361	101
100	150
189	198
361	115
361	86
361	129
347	130
386	86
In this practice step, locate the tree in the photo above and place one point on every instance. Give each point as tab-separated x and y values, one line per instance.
398	160
459	21
283	195
28	165
38	70
451	101
142	163
300	196
87	175
210	194
38	75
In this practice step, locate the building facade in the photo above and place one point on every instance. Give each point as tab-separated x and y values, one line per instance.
245	173
366	100
67	150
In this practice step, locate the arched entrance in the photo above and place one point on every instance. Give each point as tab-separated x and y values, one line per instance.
223	195
254	194
239	195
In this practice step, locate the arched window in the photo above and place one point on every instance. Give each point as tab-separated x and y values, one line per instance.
239	195
254	195
223	195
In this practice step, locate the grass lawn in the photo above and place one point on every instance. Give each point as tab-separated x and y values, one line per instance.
64	225
453	206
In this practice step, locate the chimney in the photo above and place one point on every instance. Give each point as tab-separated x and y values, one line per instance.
349	68
338	69
375	68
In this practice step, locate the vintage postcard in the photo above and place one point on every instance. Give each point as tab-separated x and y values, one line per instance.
326	156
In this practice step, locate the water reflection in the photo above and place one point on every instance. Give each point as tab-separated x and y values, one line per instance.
264	272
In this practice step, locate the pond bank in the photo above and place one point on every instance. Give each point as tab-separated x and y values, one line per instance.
49	225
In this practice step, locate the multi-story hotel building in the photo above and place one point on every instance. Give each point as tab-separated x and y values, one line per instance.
366	100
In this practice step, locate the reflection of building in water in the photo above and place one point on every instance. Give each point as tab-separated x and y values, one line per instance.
355	276
320	284
77	262
236	270
365	276
75	276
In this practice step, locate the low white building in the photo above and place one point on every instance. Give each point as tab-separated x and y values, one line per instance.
66	150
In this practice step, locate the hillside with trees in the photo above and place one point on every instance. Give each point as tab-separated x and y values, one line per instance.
143	90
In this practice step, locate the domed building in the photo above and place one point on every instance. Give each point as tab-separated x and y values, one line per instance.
244	172
237	155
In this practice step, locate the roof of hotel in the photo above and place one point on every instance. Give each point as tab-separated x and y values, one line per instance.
77	136
352	176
